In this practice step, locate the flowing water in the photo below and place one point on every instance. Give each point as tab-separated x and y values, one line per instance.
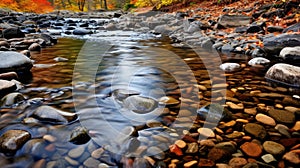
94	69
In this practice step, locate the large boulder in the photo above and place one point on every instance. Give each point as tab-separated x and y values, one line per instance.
13	33
14	61
284	74
273	45
291	54
233	20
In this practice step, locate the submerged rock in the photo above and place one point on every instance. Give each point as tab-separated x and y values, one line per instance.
81	31
284	74
11	99
140	104
12	140
10	33
79	136
14	61
214	112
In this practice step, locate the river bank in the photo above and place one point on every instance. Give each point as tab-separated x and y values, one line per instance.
233	111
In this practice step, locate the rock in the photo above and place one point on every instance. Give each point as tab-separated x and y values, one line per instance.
290	54
206	132
163	29
237	162
190	164
121	94
11	99
218	155
251	149
274	44
251	165
235	135
34	47
91	162
14	61
273	148
192	148
272	29
60	59
52	115
258	61
292	157
180	143
167	100
156	152
76	152
282	116
81	31
79	136
226	48
12	140
140	104
265	119
296	127
48	39
268	158
284	74
206	163
215	111
9	76
10	33
227	146
233	20
97	153
6	87
234	106
294	28
230	67
256	130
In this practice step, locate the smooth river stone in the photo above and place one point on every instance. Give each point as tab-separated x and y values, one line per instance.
258	61
265	119
206	132
284	73
251	149
230	67
12	140
6	86
14	61
167	100
282	116
140	104
11	99
273	148
256	130
237	162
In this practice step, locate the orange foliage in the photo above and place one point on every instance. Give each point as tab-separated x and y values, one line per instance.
37	6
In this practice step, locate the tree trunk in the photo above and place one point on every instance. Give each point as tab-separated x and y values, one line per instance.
105	5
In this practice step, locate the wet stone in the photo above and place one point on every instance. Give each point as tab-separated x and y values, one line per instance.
235	134
76	152
206	132
12	140
292	157
251	149
190	163
14	61
192	148
156	152
268	158
273	148
167	100
256	130
258	61
237	162
265	119
205	163
91	162
282	116
216	154
121	94
49	114
79	136
11	99
230	67
140	104
6	87
228	146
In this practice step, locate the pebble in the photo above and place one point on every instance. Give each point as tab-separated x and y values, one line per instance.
180	143
192	148
251	111
190	163
251	149
71	161
273	148
206	163
292	157
268	158
206	132
12	140
76	152
168	100
97	153
235	134
235	106
237	162
282	116
296	127
49	138
227	146
217	154
265	119
256	130
91	162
